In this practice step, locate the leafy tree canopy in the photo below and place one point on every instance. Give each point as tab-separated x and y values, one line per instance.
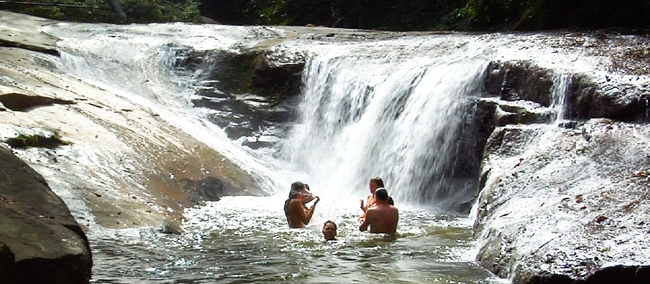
397	15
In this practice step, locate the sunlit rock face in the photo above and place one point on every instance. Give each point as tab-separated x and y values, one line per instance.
573	206
40	241
122	165
564	201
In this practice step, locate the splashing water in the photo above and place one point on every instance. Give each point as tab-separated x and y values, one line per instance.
244	240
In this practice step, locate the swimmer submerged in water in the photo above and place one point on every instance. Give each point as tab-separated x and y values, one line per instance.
295	208
329	230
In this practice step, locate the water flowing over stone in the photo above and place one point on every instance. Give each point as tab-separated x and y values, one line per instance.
370	115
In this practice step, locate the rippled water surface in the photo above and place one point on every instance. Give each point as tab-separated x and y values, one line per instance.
246	240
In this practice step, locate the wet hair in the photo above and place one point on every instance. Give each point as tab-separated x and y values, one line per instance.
330	222
296	188
378	181
391	201
381	194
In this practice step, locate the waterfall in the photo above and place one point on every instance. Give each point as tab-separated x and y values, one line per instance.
404	107
366	116
561	84
399	108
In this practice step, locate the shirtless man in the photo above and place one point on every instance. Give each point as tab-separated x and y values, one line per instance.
297	213
383	217
374	184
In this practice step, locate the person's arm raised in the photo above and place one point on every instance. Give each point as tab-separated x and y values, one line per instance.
365	207
310	212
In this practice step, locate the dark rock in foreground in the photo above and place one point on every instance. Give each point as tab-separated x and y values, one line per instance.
40	241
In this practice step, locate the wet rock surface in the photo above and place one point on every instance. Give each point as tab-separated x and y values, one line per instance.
114	152
40	241
250	91
566	202
572	209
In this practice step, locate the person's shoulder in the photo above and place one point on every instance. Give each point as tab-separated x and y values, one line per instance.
295	202
372	211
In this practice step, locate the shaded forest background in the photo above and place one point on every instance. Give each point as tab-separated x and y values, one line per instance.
395	15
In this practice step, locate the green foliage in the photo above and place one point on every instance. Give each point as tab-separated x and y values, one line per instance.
137	11
364	14
554	14
27	141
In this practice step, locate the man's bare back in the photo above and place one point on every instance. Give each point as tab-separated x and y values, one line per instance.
382	218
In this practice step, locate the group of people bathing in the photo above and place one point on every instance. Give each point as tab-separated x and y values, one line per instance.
379	211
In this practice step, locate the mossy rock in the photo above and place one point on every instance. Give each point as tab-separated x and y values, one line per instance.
23	141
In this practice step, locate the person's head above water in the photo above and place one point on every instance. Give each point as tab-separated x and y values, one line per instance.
329	230
300	190
376	183
296	187
382	194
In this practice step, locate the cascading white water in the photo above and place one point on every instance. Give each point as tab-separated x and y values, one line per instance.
141	65
371	115
561	84
398	109
390	108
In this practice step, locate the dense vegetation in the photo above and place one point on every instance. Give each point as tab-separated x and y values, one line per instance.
435	14
365	14
137	11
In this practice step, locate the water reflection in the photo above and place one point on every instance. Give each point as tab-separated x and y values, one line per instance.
246	240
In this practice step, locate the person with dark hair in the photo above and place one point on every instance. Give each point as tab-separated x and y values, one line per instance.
329	230
295	208
382	218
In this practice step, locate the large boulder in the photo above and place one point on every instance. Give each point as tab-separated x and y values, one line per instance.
565	202
573	210
40	241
